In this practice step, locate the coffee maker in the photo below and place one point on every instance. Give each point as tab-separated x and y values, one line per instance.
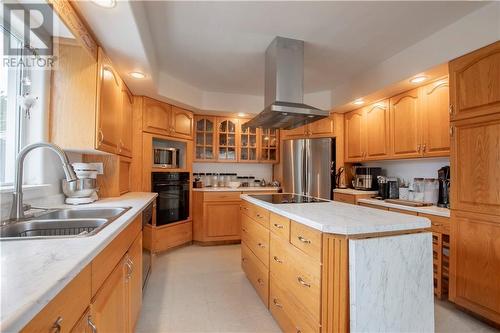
444	187
365	178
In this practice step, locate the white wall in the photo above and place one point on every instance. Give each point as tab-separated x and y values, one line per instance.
259	171
409	169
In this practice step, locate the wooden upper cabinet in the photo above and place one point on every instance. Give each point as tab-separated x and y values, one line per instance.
268	144
377	131
109	104
156	117
405	127
475	87
125	144
248	149
355	135
205	138
322	128
182	123
295	133
435	119
227	135
475	161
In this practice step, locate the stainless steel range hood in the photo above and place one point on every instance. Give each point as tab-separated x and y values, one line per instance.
284	88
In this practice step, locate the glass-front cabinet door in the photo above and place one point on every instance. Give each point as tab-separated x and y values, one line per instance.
227	136
248	144
269	145
205	138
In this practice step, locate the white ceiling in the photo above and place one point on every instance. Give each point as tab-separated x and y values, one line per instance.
209	55
219	46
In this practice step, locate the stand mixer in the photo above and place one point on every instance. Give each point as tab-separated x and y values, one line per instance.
84	189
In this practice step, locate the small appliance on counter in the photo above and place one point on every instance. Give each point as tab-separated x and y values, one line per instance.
84	189
167	158
444	187
393	188
365	178
197	183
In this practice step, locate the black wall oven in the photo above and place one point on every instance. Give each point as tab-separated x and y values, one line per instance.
172	204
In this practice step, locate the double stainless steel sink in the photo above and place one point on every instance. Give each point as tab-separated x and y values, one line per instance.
61	223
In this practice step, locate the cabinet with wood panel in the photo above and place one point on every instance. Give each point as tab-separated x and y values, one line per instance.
475	194
248	148
367	133
125	144
405	128
227	139
268	145
165	119
320	128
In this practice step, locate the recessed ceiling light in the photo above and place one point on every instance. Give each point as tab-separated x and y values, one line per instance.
241	114
137	75
418	79
105	3
358	101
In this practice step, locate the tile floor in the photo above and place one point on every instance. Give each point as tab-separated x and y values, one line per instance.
203	289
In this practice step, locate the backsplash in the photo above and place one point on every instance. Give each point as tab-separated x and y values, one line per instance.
409	169
259	171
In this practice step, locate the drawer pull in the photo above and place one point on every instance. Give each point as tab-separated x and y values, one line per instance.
243	207
276	303
57	325
277	260
279	226
304	240
261	245
260	216
260	281
244	230
92	325
302	282
244	259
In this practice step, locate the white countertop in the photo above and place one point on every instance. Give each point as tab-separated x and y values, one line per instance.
353	191
431	210
34	271
238	189
344	219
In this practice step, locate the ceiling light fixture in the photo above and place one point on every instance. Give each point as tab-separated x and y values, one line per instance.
241	114
137	75
105	3
418	79
358	101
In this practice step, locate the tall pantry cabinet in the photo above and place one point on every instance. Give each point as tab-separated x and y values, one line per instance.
475	190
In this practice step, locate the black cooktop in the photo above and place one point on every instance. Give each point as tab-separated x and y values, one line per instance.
286	198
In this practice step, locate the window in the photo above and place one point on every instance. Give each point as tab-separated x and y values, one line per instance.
16	87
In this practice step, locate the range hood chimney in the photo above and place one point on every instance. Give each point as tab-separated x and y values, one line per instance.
284	88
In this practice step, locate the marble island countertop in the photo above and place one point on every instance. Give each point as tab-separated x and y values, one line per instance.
353	191
34	271
237	189
344	219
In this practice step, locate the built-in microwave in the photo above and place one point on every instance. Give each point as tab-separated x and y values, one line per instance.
166	158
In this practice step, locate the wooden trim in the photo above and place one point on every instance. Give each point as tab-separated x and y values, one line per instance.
335	284
72	20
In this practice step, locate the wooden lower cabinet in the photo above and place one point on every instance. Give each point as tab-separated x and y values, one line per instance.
162	238
257	273
350	198
106	296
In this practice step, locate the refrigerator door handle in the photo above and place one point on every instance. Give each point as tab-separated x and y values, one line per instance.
306	170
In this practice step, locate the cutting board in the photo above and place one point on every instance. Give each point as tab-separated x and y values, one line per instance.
408	203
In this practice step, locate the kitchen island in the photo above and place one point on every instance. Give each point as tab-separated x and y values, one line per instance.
330	266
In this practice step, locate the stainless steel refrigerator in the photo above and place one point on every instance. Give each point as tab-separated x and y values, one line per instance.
309	167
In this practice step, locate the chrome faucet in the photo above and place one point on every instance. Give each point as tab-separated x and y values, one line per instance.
17	211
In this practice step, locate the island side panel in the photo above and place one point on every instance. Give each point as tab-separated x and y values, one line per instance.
390	284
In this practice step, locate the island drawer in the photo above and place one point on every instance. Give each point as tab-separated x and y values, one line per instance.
280	226
65	309
286	312
298	273
345	198
256	238
256	272
306	239
221	196
257	213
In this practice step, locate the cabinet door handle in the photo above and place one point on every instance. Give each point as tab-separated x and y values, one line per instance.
304	240
450	110
244	259
419	148
277	260
452	131
57	324
303	282
279	226
101	136
261	245
424	147
260	281
91	324
276	303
